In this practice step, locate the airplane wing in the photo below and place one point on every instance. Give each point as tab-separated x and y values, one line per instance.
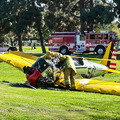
18	59
98	86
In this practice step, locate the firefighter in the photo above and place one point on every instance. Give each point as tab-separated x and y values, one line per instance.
69	69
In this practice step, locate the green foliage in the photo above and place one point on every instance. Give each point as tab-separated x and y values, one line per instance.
98	15
117	6
59	18
21	17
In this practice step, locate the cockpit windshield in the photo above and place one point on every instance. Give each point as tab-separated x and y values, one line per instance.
79	62
41	65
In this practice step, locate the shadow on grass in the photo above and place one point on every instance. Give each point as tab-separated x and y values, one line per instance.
13	84
90	55
17	85
38	54
25	86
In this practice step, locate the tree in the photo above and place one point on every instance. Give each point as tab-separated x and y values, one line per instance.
92	14
59	17
33	16
45	16
22	15
115	5
10	17
3	19
81	2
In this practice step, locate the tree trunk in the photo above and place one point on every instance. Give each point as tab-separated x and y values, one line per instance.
91	6
42	41
38	26
20	42
90	23
81	4
11	41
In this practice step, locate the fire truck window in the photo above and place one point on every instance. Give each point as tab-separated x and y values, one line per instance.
106	36
116	36
99	36
92	36
82	37
113	37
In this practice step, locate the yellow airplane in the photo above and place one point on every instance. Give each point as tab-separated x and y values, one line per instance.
43	74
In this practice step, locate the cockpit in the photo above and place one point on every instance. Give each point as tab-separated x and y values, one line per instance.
41	65
79	63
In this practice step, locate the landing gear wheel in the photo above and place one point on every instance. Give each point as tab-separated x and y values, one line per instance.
9	50
100	50
64	50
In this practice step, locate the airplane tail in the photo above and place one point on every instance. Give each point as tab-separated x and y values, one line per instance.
110	54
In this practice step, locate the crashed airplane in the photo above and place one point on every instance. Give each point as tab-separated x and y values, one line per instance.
44	72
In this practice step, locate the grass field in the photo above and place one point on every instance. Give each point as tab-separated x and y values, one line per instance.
37	50
21	103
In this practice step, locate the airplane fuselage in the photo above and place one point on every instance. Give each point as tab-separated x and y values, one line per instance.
90	69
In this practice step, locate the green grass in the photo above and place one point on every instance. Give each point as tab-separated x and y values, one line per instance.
21	103
38	49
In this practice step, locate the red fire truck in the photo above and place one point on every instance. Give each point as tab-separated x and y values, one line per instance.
66	42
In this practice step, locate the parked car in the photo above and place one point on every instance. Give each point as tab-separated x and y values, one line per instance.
7	47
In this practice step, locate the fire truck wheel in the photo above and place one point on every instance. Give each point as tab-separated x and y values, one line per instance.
100	50
64	50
